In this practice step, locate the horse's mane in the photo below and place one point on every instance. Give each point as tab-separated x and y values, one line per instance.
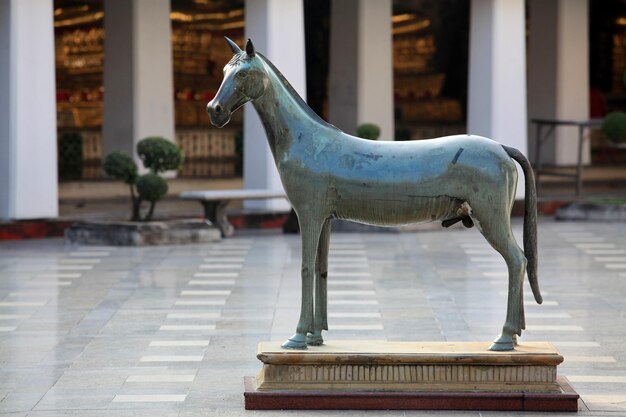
308	110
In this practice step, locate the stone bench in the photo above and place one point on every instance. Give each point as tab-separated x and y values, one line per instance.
215	202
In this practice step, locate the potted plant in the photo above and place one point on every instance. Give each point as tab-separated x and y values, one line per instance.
614	128
368	131
158	155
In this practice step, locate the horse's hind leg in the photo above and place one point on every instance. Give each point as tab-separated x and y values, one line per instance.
496	228
310	229
320	321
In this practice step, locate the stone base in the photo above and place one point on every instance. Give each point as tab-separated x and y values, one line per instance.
410	375
592	212
566	400
126	233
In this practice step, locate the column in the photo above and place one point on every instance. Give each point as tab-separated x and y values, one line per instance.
138	79
558	74
361	65
497	74
277	29
28	147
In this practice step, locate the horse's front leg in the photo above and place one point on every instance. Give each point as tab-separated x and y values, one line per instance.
320	321
310	233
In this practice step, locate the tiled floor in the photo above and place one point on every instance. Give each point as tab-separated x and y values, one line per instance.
171	331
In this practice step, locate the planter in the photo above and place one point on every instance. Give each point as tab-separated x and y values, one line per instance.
127	233
592	212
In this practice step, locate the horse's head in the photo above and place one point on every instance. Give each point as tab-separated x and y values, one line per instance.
245	79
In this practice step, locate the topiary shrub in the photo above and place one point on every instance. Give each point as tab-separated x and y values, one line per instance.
120	166
158	155
368	131
151	188
614	127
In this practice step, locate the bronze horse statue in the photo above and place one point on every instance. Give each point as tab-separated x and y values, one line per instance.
329	174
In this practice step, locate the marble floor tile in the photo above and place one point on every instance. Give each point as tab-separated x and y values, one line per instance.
191	316
58	275
162	378
590	359
215	274
610	379
581	344
199	302
357	327
212	282
22	303
89	254
227	259
221	266
553	328
340	301
7	328
148	398
179	343
171	358
353	315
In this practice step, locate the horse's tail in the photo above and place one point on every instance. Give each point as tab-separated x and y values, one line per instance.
530	219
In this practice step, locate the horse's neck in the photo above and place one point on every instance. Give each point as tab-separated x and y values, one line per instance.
283	114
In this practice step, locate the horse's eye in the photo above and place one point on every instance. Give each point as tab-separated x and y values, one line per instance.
242	74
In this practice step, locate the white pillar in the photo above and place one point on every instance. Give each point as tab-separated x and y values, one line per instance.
138	79
558	74
361	65
497	74
277	29
28	148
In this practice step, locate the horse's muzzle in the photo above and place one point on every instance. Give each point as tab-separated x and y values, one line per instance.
218	114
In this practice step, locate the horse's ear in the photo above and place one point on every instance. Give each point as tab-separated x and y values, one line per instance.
233	46
250	48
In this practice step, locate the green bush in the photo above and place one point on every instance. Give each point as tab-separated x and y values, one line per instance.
614	127
368	131
120	166
151	187
159	155
70	154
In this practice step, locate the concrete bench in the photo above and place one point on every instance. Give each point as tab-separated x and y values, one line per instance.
215	202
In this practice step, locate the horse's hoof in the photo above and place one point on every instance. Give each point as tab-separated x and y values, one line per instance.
314	340
503	343
297	341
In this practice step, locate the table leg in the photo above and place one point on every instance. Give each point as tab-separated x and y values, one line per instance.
579	179
215	212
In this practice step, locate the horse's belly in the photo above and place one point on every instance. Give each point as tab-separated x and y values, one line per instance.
397	211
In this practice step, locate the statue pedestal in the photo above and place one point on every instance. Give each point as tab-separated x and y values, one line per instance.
410	375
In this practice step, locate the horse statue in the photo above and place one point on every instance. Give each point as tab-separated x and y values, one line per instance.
328	174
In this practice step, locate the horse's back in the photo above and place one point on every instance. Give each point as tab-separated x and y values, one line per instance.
420	162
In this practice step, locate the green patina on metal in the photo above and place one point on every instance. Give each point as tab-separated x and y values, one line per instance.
329	174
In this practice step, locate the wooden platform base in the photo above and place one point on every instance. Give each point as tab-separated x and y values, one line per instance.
380	375
566	400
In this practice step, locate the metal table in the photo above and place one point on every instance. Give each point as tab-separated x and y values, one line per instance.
543	135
